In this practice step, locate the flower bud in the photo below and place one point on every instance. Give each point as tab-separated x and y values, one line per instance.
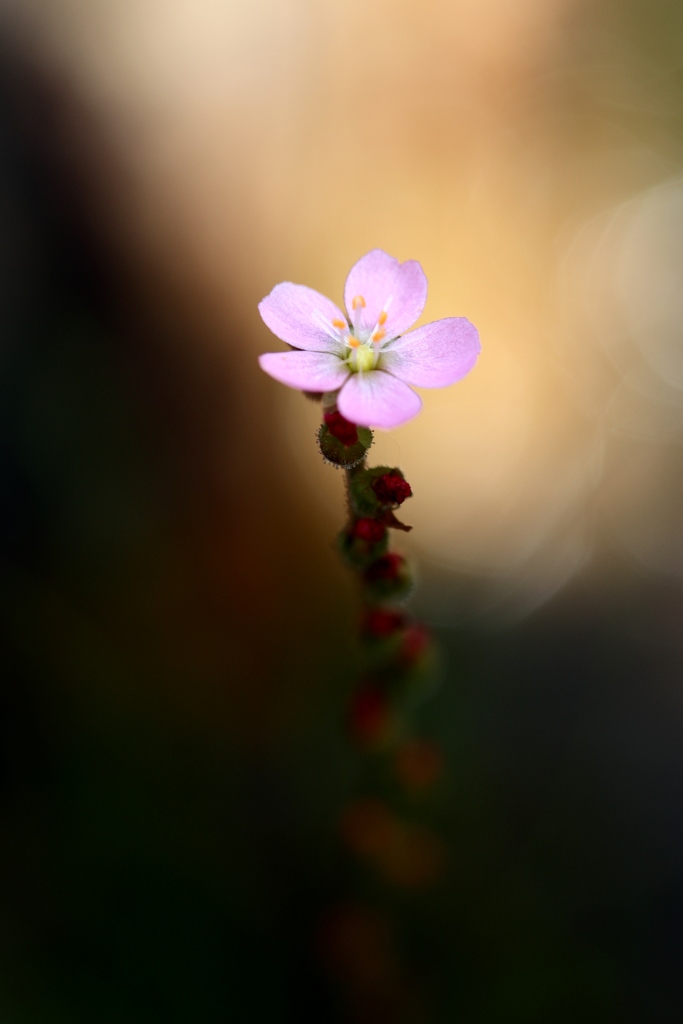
416	643
361	548
370	716
364	499
385	569
341	443
388	577
406	854
382	622
369	529
341	428
415	860
391	488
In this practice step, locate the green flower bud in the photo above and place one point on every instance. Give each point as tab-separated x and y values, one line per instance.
339	454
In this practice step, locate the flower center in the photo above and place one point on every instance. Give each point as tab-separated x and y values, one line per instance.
363	358
362	346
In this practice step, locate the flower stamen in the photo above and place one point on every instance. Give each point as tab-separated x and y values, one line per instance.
357	307
325	324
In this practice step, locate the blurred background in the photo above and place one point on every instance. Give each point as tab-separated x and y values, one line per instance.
177	634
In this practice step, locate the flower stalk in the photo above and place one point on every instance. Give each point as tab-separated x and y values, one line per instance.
363	364
397	651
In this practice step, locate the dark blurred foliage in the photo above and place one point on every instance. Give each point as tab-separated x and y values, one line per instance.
175	667
156	865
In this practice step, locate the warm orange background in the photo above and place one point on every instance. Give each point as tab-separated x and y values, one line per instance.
511	148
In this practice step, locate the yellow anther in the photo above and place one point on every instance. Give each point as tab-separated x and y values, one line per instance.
382	317
353	342
378	334
358	302
339	323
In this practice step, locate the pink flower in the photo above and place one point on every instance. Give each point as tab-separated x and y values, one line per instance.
366	356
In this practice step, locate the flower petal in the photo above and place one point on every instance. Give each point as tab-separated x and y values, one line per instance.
308	371
435	355
302	317
386	284
377	399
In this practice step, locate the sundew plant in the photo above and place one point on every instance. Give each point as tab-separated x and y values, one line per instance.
362	365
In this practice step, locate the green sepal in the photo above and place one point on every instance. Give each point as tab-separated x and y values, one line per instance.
341	455
364	499
358	553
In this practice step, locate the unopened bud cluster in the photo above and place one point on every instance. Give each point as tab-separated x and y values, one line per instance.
398	652
396	648
374	494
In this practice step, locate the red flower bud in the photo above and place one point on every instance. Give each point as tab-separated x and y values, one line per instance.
341	428
369	714
391	489
415	644
369	529
385	568
379	622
